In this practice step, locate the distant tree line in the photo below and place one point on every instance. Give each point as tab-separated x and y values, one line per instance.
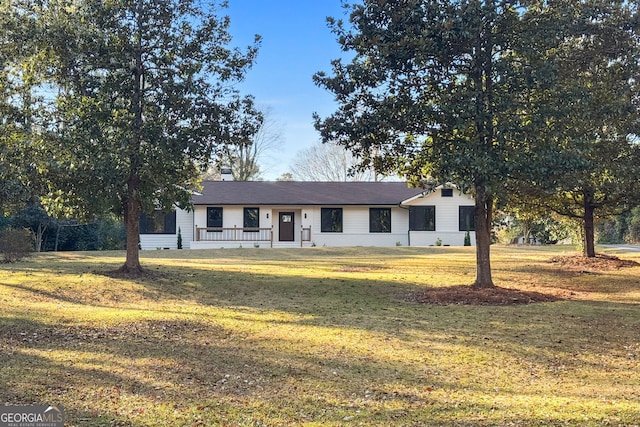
623	228
50	234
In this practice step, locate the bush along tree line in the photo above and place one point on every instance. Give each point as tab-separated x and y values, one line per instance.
45	233
521	103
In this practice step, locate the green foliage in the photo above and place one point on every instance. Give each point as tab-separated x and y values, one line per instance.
467	239
609	231
110	234
5	222
633	233
437	91
25	101
179	238
15	244
20	147
145	99
534	228
50	234
624	228
34	218
414	100
103	234
592	158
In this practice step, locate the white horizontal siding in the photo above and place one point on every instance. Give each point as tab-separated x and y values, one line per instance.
429	238
184	222
355	224
158	241
447	219
447	208
355	228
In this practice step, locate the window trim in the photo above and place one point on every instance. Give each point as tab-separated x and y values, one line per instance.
379	219
158	216
340	225
413	211
209	224
470	214
245	223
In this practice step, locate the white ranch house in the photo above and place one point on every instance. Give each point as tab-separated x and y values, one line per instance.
228	214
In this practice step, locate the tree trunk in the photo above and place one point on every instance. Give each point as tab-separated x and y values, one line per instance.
132	225
483	214
589	238
132	203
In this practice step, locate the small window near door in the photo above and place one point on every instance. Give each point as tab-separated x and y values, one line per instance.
331	220
286	218
251	218
380	220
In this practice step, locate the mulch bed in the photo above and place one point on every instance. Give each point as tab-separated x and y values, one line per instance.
466	295
601	262
497	296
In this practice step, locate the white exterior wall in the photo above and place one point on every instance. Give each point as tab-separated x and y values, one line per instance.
233	217
184	223
355	225
447	221
355	228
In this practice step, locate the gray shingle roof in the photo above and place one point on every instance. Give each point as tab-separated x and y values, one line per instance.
259	193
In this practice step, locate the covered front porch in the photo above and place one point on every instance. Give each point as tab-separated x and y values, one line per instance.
278	228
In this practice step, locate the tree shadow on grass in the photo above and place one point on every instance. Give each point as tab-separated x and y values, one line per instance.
201	373
201	364
188	370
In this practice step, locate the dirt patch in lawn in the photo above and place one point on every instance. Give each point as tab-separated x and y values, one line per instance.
466	295
600	262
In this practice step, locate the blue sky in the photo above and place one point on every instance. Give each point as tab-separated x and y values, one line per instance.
296	43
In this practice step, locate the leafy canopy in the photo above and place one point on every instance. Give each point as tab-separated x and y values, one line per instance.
146	97
141	97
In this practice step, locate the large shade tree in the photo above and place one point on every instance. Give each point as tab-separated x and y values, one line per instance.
478	93
144	96
593	114
433	91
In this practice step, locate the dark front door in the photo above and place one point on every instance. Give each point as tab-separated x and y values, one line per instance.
286	227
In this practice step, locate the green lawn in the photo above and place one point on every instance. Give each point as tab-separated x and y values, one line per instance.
319	336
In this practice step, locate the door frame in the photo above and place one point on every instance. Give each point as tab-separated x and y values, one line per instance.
288	237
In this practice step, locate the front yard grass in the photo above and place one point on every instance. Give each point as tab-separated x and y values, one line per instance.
319	336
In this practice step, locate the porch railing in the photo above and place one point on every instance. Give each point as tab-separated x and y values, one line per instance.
234	234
